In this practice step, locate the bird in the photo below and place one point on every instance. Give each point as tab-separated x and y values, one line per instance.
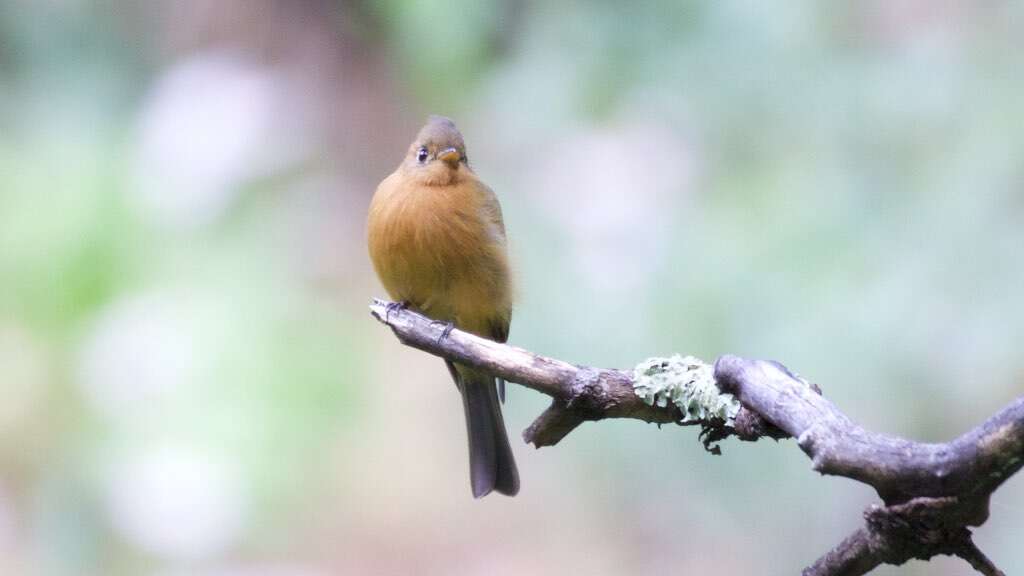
436	237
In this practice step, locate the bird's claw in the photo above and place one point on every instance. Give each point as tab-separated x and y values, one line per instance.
448	327
393	307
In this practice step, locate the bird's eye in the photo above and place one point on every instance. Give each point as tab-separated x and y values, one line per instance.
421	154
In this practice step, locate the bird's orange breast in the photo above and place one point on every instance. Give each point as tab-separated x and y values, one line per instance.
435	248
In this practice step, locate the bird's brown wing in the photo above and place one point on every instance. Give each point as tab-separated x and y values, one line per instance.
492	211
499	325
499	329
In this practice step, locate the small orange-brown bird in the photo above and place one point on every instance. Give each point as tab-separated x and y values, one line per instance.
437	241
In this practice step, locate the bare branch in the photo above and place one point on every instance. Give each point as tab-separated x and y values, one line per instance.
860	553
933	493
579	393
971	466
552	425
977	559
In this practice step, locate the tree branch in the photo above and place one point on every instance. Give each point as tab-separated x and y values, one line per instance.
579	393
973	465
932	493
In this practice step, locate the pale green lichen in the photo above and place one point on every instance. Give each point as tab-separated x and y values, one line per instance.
686	382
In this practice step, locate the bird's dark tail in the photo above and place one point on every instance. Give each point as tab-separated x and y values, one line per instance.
491	465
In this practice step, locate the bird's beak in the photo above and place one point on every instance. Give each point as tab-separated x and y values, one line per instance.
450	156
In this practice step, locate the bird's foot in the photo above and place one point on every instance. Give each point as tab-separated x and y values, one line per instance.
393	307
448	327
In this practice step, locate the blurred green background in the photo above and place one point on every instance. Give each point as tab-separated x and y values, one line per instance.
192	385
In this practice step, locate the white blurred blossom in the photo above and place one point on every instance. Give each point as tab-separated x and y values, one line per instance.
616	192
211	123
177	503
136	352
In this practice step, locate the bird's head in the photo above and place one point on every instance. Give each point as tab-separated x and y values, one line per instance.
438	154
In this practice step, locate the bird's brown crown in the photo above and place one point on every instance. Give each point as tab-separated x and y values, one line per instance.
436	136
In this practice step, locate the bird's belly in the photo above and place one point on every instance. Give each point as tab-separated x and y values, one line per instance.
447	274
